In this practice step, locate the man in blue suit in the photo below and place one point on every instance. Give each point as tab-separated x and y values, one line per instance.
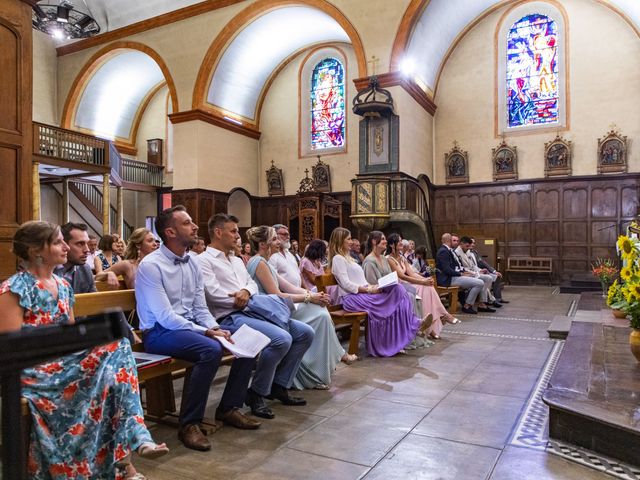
450	272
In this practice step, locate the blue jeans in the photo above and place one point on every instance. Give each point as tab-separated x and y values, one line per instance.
205	354
279	361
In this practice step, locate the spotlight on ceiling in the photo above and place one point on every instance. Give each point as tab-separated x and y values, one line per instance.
63	21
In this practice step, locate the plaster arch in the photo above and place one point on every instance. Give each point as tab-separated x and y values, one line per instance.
239	205
102	72
217	89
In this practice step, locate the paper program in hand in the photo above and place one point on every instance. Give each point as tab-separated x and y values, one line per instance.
248	342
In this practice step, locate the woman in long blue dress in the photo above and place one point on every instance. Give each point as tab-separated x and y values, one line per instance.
392	323
87	417
325	352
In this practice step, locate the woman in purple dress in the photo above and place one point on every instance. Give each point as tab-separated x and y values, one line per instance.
392	323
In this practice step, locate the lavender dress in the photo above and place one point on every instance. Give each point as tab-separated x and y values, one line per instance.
392	323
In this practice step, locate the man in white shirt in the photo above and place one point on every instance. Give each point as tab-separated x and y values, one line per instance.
228	290
283	261
175	321
93	250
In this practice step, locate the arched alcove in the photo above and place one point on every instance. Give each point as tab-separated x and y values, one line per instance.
239	205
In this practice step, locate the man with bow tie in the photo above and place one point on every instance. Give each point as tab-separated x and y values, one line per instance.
175	321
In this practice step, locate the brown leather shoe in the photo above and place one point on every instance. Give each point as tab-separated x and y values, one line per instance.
236	418
193	438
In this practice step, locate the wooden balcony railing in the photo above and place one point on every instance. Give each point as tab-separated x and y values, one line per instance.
132	171
91	196
59	143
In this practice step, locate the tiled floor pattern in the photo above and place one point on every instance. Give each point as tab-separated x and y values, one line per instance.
446	412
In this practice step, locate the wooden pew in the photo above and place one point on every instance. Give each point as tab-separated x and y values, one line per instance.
341	318
450	293
531	265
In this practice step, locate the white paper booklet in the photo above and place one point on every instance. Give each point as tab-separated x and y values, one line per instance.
388	280
248	342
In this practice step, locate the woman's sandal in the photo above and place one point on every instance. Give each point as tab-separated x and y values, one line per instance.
321	386
349	359
152	450
426	323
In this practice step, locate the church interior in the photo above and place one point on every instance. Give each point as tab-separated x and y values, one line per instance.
513	122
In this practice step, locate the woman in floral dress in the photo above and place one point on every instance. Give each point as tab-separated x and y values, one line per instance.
85	407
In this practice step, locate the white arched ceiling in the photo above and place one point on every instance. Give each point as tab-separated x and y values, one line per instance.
443	20
114	93
259	48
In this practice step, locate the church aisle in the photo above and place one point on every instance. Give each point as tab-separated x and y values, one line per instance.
445	412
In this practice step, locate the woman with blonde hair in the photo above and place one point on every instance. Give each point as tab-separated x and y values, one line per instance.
141	243
325	352
86	405
392	323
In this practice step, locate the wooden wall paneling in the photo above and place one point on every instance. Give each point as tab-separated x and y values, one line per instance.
493	208
629	207
560	218
575	203
15	124
468	208
604	202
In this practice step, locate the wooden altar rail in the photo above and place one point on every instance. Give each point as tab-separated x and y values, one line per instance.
59	143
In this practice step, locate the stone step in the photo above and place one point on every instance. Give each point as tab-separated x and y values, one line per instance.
567	287
559	327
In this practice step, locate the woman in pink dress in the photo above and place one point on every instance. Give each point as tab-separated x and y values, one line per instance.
431	302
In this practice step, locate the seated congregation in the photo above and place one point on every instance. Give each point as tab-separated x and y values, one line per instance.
87	415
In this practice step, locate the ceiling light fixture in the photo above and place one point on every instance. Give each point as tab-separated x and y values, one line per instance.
62	21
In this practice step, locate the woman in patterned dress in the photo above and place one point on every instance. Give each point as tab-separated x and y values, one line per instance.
325	352
106	257
85	406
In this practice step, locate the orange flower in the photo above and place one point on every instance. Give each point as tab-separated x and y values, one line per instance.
69	391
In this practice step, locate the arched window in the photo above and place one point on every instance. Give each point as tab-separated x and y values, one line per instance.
532	71
532	85
327	105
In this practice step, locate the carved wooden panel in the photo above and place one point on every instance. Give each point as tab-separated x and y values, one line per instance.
469	208
519	232
574	232
493	207
15	124
519	206
603	233
10	57
547	204
574	203
575	252
547	251
629	200
545	232
604	202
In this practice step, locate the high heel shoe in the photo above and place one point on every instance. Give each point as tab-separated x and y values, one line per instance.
152	450
434	336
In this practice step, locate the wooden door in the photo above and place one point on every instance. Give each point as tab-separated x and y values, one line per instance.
15	124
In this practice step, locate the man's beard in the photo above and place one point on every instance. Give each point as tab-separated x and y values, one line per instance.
286	245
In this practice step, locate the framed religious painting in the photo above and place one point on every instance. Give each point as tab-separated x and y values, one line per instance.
505	162
456	164
557	157
612	153
321	176
275	183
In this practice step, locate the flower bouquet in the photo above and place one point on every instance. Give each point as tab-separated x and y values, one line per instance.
606	272
630	277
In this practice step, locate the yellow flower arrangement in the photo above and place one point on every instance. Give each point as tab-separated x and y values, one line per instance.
626	295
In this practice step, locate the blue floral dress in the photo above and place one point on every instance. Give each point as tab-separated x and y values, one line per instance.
85	406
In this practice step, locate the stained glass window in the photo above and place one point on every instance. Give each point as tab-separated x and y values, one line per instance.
532	71
327	105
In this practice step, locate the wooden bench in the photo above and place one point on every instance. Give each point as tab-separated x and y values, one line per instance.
342	319
448	293
531	265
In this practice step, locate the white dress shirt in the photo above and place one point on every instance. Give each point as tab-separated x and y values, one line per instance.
169	291
223	275
287	267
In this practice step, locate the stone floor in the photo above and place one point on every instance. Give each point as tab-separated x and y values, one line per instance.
446	412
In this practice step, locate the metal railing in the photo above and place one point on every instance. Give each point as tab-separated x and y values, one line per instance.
55	142
145	173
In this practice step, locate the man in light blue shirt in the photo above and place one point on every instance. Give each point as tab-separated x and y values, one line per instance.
175	321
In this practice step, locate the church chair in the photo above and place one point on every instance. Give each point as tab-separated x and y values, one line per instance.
449	293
